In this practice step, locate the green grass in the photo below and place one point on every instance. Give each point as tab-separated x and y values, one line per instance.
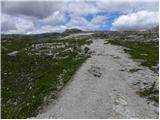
146	51
134	70
27	79
150	93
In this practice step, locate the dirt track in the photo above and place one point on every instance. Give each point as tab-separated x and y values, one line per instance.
100	89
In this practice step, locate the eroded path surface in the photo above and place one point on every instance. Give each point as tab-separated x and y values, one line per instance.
100	89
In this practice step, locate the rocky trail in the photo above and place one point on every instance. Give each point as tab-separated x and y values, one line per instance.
103	88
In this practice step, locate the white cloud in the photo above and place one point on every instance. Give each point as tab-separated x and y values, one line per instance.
98	21
77	22
16	24
136	21
7	23
81	8
82	23
56	18
23	24
48	28
57	15
39	9
127	6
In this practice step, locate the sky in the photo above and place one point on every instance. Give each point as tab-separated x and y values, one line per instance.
31	17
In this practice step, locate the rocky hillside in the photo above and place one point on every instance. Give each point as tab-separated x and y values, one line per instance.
36	67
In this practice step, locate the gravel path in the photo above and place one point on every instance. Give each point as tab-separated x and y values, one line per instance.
100	89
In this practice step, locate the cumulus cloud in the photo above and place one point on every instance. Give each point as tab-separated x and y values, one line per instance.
40	9
77	22
23	24
56	18
82	23
48	28
127	6
58	15
7	23
97	22
81	8
136	21
43	9
16	24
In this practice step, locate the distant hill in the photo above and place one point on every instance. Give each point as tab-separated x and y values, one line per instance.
71	31
155	29
52	35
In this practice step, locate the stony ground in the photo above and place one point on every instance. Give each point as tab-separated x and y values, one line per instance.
103	88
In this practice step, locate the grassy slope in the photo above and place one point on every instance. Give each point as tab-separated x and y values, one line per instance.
27	79
148	52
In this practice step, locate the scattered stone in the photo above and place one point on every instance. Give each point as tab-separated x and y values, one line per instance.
106	42
135	83
116	57
86	49
13	53
122	69
15	103
28	104
134	70
156	110
95	71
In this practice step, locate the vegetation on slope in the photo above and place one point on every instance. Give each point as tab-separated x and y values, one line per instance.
148	54
151	93
35	71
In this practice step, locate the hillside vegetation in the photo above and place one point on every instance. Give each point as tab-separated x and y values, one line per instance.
36	67
33	71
